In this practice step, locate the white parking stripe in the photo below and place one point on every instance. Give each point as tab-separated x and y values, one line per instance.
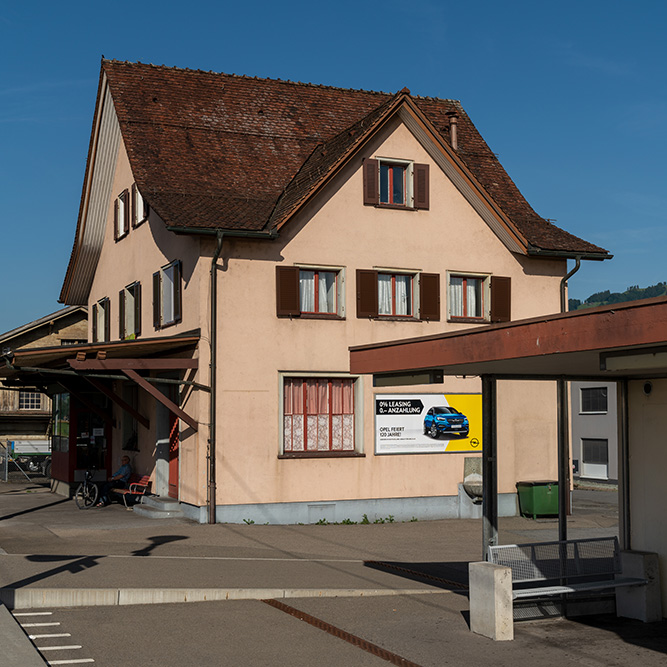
37	625
61	634
77	661
33	613
58	648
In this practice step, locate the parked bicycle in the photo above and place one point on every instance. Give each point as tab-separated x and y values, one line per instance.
87	492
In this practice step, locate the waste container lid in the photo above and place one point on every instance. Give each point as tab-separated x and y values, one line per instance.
538	483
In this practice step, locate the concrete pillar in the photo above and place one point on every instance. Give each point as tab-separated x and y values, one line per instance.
491	607
640	602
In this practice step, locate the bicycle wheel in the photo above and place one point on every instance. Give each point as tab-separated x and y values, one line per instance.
86	495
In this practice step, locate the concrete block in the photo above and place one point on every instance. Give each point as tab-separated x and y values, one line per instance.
491	606
640	602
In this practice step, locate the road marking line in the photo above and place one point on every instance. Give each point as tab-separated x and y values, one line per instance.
58	648
60	634
239	558
37	625
33	613
76	661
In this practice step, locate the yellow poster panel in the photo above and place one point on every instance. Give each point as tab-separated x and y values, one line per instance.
471	406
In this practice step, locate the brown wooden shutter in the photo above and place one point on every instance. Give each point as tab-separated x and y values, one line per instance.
137	310
178	292
94	323
115	219
429	297
127	210
287	291
367	293
135	213
421	186
121	315
501	299
107	319
157	300
371	178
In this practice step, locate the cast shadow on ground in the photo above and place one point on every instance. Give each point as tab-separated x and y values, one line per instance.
33	509
156	541
451	575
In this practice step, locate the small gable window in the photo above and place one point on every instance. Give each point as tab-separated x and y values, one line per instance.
396	183
393	183
121	215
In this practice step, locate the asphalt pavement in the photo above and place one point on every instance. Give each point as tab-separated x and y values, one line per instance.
172	592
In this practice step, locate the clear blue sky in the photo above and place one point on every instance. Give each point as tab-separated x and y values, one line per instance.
570	95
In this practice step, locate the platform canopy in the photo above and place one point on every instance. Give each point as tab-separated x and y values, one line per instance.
623	341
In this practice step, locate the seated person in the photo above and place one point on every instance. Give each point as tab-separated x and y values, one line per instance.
118	480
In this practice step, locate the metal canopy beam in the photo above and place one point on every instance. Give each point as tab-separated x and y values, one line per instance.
113	396
137	364
159	396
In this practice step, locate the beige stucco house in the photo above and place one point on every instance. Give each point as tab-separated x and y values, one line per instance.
236	235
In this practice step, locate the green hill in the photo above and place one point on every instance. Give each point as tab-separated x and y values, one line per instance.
633	293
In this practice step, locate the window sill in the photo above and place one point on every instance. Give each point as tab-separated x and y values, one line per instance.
321	316
396	207
320	455
396	318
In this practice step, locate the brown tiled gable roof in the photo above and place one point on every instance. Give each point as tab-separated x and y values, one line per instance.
223	151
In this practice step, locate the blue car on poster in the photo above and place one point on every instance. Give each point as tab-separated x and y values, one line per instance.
445	419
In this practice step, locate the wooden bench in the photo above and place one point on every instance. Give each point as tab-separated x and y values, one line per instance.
138	485
556	568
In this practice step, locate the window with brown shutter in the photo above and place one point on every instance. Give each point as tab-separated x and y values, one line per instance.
102	320
310	292
429	297
167	295
139	207
129	308
501	299
121	215
395	183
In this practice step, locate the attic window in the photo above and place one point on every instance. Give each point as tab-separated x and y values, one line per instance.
395	183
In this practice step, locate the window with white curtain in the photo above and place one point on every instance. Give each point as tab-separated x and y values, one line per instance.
318	415
318	291
466	297
395	294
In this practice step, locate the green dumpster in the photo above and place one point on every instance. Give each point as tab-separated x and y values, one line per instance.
538	498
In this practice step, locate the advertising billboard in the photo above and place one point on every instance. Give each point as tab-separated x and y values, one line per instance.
428	423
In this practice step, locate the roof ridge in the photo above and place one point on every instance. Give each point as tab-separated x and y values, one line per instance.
305	84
